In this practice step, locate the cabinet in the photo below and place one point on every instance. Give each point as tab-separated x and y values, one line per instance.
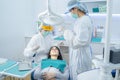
96	3
95	6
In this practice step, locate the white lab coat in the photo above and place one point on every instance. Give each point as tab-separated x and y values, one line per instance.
79	42
44	46
59	75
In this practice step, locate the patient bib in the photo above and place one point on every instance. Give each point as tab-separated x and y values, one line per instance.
59	64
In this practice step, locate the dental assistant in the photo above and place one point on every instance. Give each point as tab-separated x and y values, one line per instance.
39	44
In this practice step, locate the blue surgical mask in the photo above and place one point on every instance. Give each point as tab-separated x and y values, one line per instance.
74	15
45	34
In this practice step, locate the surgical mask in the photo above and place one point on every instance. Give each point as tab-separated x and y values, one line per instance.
45	34
74	15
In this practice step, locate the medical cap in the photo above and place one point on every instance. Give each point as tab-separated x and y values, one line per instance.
74	3
46	27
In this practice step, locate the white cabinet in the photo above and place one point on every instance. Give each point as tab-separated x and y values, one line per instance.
95	6
98	3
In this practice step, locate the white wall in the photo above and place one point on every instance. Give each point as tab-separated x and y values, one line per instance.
116	7
16	19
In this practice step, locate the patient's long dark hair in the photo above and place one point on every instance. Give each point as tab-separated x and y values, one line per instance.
59	56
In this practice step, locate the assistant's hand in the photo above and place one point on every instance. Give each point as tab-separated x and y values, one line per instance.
35	48
60	43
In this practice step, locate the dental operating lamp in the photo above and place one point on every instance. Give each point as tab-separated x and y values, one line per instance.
50	17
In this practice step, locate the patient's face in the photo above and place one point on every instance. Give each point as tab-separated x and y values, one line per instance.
54	52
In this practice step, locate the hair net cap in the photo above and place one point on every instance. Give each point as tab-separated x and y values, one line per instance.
77	4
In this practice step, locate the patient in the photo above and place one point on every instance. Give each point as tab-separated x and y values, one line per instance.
53	68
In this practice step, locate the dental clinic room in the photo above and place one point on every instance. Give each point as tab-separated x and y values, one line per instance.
59	40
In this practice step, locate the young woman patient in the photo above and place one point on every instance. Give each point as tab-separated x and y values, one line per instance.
52	68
